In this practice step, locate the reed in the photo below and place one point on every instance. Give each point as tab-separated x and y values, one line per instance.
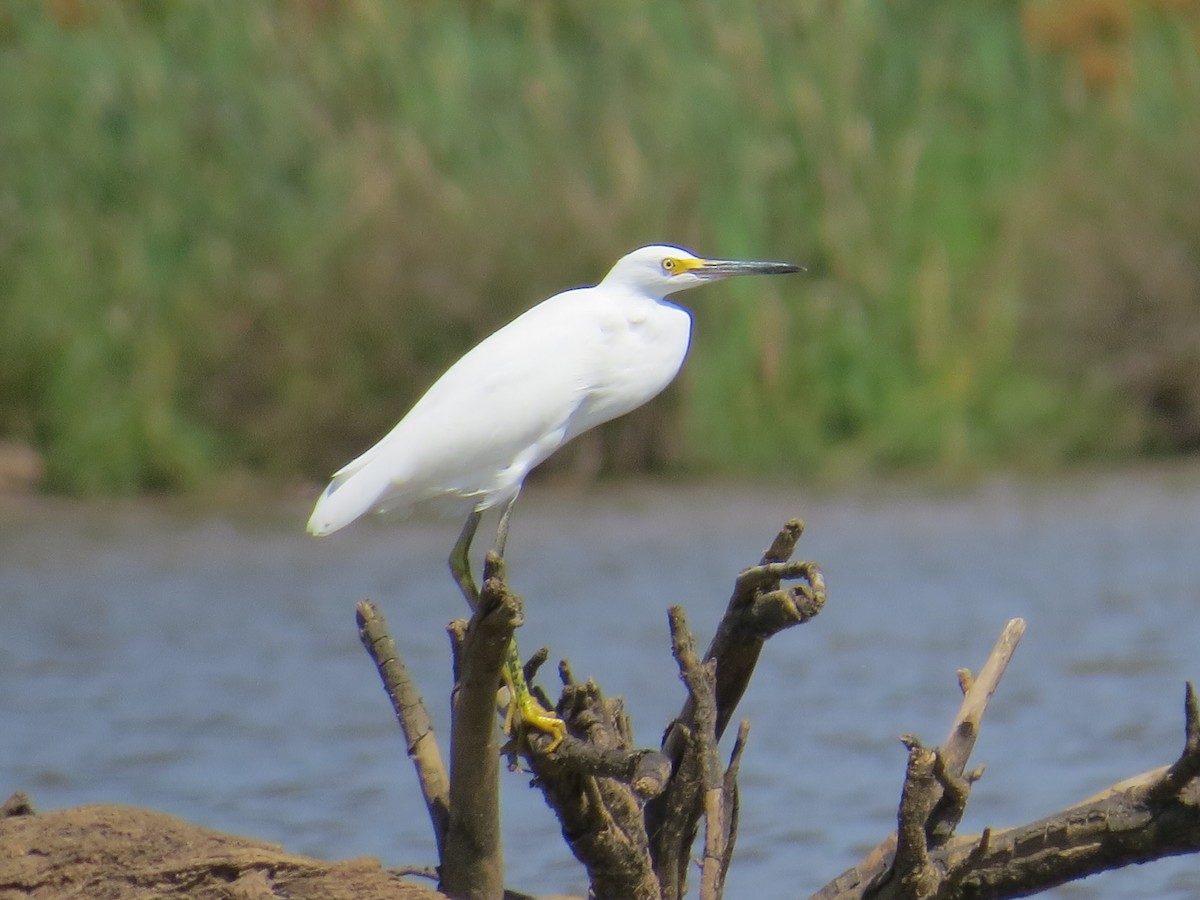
247	235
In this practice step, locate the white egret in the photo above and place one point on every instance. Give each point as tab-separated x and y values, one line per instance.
572	362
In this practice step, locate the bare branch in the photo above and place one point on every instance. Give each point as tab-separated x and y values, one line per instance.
632	815
733	795
1118	830
701	684
911	869
596	785
535	662
961	740
1144	818
412	715
784	544
759	607
942	818
1185	769
949	808
645	771
473	864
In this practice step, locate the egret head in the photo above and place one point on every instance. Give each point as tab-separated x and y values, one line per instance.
660	269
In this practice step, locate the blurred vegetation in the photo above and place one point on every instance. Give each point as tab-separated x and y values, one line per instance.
246	235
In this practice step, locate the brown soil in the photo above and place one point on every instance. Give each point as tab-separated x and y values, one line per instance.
126	853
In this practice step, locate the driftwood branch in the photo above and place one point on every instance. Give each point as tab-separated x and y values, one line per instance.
1148	817
964	730
1124	825
600	806
916	875
1184	771
414	719
761	606
732	795
977	691
473	861
633	819
632	815
700	679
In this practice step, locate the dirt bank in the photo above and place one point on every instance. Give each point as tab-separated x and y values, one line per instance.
127	853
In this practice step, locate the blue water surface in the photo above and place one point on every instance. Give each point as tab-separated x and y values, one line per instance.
206	664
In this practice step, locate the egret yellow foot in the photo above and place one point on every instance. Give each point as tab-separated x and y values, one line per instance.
524	710
532	714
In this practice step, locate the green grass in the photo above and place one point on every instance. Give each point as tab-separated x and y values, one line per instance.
247	235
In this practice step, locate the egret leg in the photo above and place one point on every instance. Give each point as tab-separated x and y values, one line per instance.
460	559
524	710
502	528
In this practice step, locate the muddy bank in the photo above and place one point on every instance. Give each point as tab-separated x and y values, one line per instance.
126	853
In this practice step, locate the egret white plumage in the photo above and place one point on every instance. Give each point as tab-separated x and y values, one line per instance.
572	362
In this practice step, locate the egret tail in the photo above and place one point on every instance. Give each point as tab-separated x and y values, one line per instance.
351	494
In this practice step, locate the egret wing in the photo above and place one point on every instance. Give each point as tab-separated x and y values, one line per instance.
497	412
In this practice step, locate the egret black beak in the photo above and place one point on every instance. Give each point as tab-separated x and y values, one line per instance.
723	268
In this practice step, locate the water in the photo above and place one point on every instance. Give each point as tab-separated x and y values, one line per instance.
207	665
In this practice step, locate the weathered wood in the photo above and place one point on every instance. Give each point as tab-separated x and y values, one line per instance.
759	607
1117	831
414	719
1148	817
634	839
874	868
473	861
596	782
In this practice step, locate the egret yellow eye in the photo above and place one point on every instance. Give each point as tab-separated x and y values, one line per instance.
670	265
